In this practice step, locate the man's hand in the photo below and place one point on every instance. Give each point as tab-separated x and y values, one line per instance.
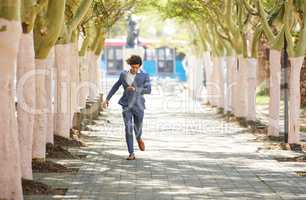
105	104
131	89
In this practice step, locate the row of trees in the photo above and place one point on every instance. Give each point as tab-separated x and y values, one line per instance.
229	32
48	53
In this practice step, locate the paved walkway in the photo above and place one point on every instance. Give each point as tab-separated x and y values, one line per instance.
191	154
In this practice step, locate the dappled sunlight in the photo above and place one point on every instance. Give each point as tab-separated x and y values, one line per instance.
218	160
153	99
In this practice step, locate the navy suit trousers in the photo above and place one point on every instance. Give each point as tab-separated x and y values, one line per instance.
133	121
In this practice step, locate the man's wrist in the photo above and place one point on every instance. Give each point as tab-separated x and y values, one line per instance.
131	88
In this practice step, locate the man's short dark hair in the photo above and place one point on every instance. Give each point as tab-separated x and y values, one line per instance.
134	60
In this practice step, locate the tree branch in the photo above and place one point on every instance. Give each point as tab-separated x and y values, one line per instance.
80	13
266	27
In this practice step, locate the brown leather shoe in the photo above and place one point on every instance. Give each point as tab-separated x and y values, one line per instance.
141	145
131	157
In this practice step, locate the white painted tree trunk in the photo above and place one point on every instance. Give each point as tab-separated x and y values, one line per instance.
83	86
214	83
234	88
295	99
251	88
242	88
196	76
200	79
43	109
222	82
88	82
26	102
274	102
191	60
63	94
74	80
92	75
10	170
99	78
208	71
95	75
237	87
91	93
50	97
231	65
226	84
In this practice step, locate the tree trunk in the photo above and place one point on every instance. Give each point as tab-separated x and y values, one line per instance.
242	88
10	171
50	96
251	90
191	75
95	75
221	81
43	109
231	66
226	84
74	79
263	61
91	94
63	94
26	102
274	102
208	72
303	83
196	77
83	86
99	78
215	90
235	91
93	67
295	100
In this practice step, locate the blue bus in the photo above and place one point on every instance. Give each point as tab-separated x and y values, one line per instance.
158	62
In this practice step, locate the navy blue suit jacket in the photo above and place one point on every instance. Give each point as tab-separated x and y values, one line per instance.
132	98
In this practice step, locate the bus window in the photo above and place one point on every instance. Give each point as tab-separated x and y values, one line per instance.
110	64
165	61
114	60
110	54
119	54
169	55
161	54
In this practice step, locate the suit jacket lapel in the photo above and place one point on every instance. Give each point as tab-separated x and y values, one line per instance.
125	77
136	78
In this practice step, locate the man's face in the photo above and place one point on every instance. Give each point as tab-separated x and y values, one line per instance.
135	68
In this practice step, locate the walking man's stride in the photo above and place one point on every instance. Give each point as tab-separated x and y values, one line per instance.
136	83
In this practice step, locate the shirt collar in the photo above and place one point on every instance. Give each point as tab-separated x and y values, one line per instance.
138	72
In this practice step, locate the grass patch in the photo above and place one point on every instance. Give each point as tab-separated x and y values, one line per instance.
262	94
262	100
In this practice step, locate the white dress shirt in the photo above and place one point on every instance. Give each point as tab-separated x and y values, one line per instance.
130	78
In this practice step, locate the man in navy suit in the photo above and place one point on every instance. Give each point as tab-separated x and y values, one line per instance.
136	83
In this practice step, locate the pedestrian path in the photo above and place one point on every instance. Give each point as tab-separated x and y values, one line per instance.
190	154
